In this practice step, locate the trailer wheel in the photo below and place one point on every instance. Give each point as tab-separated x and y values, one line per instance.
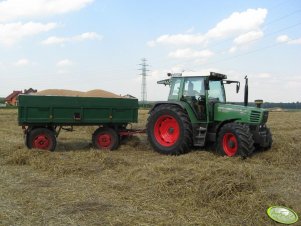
105	138
235	139
169	130
41	138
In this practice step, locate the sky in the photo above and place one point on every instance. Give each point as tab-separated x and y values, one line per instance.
98	44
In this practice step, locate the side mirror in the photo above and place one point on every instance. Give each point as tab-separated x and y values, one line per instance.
237	87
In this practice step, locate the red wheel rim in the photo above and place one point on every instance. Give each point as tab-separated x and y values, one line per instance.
41	142
104	140
167	130
230	144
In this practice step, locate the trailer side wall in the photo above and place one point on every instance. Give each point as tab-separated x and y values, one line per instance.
62	110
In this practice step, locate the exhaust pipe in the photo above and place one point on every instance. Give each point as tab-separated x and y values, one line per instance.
258	103
246	91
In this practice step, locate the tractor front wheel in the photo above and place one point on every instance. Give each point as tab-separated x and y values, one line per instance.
235	139
169	130
270	139
41	138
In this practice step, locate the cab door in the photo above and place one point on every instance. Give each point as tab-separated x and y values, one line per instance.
194	94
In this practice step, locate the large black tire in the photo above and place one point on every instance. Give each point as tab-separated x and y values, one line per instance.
105	138
270	139
41	138
169	130
235	139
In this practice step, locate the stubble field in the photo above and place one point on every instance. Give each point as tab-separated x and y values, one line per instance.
77	185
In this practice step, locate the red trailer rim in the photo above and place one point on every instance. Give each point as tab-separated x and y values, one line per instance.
104	140
167	130
41	142
230	144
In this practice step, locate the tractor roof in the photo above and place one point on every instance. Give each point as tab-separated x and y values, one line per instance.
217	76
213	76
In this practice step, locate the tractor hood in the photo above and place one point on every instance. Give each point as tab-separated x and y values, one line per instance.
244	114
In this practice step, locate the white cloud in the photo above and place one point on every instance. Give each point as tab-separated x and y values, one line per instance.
244	40
282	38
248	37
13	32
180	39
286	39
295	41
87	36
190	53
78	38
239	22
53	40
236	24
64	63
233	49
22	62
18	9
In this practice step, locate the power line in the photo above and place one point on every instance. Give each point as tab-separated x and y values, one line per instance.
248	53
250	41
282	17
264	28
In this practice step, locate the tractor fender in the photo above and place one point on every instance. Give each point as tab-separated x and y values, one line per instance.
167	102
185	106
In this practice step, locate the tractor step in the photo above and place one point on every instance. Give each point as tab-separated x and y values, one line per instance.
199	137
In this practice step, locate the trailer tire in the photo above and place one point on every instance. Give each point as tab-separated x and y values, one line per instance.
41	138
169	130
105	138
235	139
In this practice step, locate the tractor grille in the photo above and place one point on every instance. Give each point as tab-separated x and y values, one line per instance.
255	116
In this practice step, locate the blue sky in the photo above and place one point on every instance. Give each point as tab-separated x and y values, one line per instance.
86	44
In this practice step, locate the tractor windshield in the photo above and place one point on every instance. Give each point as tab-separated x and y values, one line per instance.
216	91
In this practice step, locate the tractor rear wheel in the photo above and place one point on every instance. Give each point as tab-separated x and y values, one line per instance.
41	138
235	139
169	130
105	138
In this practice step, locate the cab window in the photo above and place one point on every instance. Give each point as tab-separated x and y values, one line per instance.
216	91
175	89
194	87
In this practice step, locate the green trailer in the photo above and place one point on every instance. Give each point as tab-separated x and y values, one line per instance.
43	117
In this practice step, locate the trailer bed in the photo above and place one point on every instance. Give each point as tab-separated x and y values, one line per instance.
34	110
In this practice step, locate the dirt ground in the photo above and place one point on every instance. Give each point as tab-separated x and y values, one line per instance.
77	185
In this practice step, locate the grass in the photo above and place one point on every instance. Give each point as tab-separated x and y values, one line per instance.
77	185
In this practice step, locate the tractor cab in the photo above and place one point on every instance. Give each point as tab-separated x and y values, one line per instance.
200	92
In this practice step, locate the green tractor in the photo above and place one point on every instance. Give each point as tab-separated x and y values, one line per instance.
196	113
